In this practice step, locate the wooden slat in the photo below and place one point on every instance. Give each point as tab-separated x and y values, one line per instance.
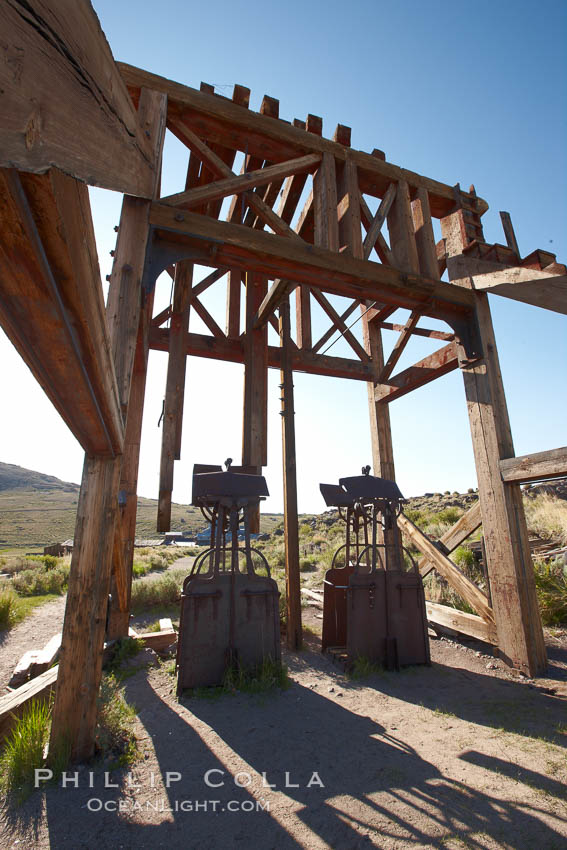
535	467
233	292
325	204
379	243
454	536
242	247
64	103
237	184
511	240
206	317
340	325
399	347
460	621
457	579
52	306
174	390
424	236
332	330
348	196
429	369
377	222
275	140
400	226
389	326
294	634
303	316
200	345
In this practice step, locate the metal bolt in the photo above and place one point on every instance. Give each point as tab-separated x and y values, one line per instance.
179	217
108	277
112	253
127	267
116	228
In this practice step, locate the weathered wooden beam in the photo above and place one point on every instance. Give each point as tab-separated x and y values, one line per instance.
535	467
291	523
348	197
377	222
454	536
439	363
13	704
332	330
325	204
509	233
174	389
236	246
52	306
200	345
233	293
303	316
389	326
424	236
64	103
206	317
255	408
402	235
340	325
217	119
399	347
460	621
508	557
236	184
457	579
270	302
380	245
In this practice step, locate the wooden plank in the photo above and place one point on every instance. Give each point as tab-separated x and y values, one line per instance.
511	240
64	103
424	236
399	347
460	621
252	199
125	531
219	119
439	363
348	196
80	667
400	226
389	326
332	330
272	299
340	325
535	467
236	184
294	634
172	422
158	641
255	408
12	705
456	578
52	306
325	204
303	316
454	536
377	222
379	244
509	563
200	345
236	246
233	292
206	317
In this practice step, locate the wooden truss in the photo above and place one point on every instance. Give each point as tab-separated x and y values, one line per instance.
297	216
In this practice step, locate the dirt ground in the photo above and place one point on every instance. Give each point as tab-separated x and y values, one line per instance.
459	754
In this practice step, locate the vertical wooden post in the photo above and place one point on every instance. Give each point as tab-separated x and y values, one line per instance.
402	235
509	563
303	316
233	303
255	416
80	666
325	204
291	523
172	423
424	236
125	532
350	232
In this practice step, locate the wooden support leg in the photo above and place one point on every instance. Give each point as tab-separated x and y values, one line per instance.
509	562
255	419
125	533
175	390
80	664
291	523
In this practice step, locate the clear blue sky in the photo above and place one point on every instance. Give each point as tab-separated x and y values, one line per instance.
460	92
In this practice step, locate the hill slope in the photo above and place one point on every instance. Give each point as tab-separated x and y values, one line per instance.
37	510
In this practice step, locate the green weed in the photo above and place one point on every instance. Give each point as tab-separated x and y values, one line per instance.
364	667
24	751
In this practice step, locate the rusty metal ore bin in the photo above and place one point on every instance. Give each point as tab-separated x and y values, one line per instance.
229	612
373	604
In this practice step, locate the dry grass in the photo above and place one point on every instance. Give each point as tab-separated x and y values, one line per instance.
547	517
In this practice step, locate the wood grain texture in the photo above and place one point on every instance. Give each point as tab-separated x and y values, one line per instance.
64	103
535	467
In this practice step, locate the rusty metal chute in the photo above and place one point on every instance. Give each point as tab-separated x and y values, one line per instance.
374	604
229	611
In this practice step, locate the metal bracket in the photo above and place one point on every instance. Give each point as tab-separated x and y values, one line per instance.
161	253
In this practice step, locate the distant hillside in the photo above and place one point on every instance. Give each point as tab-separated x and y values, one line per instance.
37	510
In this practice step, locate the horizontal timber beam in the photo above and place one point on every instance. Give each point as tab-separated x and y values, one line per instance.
461	621
434	366
535	467
219	120
201	345
237	246
64	103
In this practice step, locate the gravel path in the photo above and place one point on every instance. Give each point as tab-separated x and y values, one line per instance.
32	633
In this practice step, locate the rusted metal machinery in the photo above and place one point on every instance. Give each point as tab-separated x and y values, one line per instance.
374	605
229	612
